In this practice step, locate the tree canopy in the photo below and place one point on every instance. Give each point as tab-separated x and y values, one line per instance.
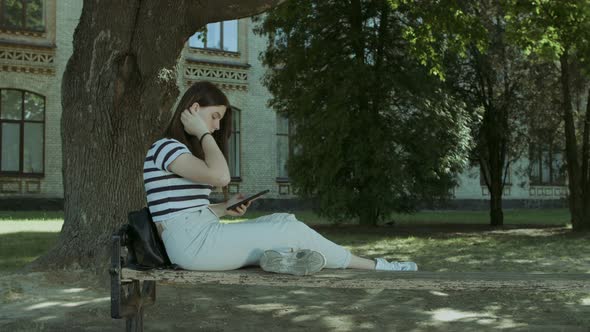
374	130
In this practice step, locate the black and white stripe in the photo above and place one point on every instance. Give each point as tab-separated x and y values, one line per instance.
167	193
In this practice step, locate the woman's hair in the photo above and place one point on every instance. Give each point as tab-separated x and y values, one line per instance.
205	94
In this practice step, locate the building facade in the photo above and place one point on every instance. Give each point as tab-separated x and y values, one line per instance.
36	43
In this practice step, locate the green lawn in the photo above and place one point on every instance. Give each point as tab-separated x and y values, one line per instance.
437	241
511	217
18	249
31	215
456	249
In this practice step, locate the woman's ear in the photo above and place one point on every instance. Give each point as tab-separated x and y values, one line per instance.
195	107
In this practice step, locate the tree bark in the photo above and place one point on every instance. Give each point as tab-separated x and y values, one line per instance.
117	93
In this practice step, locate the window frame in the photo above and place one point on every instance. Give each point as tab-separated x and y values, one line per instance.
22	121
236	112
5	26
284	179
536	152
221	34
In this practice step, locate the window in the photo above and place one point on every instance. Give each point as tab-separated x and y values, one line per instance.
283	146
22	132
234	145
547	168
22	15
220	36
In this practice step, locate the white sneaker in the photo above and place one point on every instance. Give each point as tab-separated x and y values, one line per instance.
384	265
300	263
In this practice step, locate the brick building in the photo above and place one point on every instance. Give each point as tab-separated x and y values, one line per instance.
36	43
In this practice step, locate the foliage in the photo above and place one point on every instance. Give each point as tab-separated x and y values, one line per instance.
559	32
374	130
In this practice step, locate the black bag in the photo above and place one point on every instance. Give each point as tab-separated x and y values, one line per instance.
145	248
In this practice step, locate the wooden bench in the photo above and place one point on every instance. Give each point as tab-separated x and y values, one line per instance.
132	290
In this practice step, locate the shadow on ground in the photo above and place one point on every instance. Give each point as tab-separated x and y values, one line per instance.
61	301
445	248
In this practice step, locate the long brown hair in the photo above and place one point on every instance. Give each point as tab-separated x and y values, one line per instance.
205	94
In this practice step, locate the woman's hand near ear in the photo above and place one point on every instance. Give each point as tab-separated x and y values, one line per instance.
193	123
212	169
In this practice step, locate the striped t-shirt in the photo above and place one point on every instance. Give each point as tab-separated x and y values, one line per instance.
169	194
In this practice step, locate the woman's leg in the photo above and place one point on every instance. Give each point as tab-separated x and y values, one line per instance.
233	245
361	263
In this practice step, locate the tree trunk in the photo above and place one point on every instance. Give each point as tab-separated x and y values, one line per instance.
496	213
496	168
493	139
584	225
366	207
368	216
117	93
493	166
580	220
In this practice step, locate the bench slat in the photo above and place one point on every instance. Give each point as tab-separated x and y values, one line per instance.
374	279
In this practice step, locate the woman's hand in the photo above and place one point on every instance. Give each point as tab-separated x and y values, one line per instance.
240	210
192	122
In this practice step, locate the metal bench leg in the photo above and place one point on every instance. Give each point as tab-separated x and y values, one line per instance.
128	298
140	294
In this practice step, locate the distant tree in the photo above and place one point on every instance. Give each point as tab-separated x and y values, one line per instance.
545	131
492	80
560	31
375	130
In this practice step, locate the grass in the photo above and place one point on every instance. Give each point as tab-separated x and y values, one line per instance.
437	240
18	249
32	216
511	217
514	249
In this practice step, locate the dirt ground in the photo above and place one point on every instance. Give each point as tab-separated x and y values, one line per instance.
60	301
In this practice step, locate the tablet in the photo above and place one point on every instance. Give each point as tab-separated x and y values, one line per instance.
247	199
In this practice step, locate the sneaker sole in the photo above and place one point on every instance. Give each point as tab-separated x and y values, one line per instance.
300	263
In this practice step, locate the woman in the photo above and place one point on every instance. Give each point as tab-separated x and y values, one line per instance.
182	168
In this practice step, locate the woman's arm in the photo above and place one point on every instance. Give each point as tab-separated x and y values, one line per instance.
220	209
215	159
213	170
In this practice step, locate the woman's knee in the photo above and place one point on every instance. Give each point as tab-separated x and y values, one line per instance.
295	224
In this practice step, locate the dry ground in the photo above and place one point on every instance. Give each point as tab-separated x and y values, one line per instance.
74	301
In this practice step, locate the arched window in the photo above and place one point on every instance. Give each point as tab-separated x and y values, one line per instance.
234	146
22	132
22	15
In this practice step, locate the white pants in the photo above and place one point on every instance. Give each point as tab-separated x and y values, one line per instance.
198	241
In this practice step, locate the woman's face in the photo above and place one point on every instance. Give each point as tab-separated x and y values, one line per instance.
211	115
